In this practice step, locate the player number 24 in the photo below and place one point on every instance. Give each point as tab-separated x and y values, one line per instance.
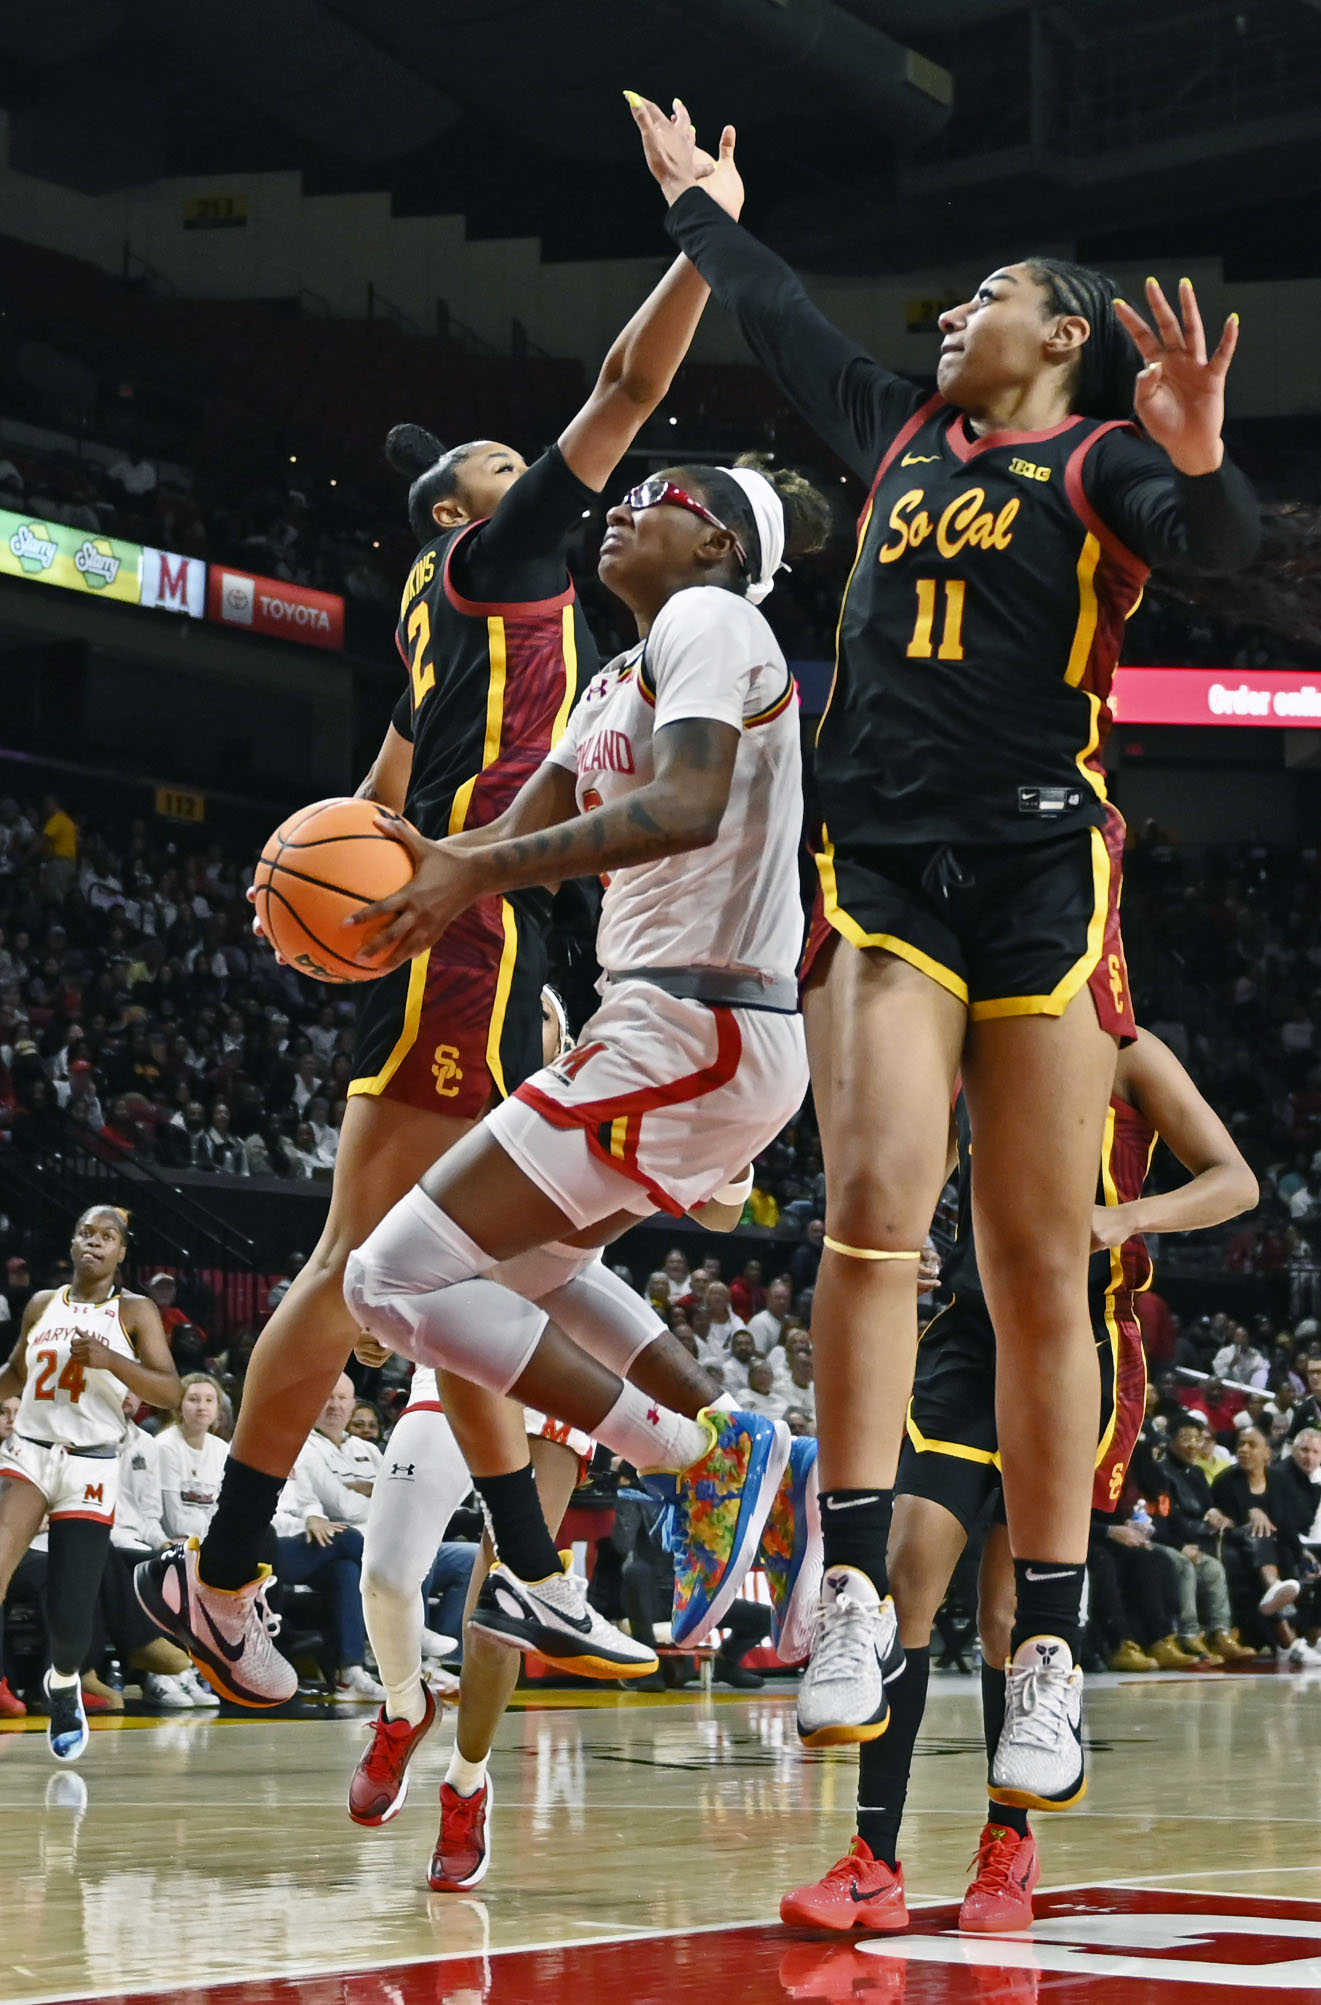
70	1379
929	594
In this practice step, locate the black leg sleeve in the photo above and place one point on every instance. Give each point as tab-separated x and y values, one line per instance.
78	1549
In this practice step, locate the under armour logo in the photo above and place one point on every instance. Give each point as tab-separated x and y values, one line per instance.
401	1468
653	1415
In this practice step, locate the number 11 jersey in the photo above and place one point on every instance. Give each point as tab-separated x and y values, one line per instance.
977	641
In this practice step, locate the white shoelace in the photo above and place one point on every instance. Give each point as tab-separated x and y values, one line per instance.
266	1615
1037	1706
845	1639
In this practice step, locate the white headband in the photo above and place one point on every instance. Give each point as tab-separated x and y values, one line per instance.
768	514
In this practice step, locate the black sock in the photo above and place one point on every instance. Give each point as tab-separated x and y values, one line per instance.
1049	1601
855	1530
518	1523
993	1719
248	1498
884	1765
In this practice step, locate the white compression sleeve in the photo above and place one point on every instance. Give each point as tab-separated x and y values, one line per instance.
603	1314
422	1482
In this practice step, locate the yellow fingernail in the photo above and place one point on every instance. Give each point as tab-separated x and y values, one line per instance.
1234	318
1185	281
633	99
1152	280
1119	301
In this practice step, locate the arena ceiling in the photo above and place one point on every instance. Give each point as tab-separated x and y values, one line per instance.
874	134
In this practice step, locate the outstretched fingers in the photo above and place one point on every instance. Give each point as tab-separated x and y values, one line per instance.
1193	332
1225	347
1166	319
1135	326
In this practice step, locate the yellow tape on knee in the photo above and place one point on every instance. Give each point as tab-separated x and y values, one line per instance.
866	1252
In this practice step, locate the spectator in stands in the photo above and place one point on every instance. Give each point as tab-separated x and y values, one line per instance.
365	1423
737	1360
678	1277
1251	1497
723	1322
1240	1360
190	1459
797	1421
761	1395
59	850
747	1293
767	1325
226	1151
1188	1527
806	1259
321	1508
801	1389
1307	1412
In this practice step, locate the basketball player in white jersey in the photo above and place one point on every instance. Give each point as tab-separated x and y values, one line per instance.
679	776
427	1478
79	1347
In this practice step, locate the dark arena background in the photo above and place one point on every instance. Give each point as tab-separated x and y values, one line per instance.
237	245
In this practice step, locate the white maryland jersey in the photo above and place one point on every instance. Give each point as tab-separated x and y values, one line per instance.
734	905
64	1402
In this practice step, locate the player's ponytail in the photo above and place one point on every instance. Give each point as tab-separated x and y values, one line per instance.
809	517
419	455
1109	363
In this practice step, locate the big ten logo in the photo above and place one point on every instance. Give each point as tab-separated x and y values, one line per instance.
1029	469
965	523
446	1070
1115	970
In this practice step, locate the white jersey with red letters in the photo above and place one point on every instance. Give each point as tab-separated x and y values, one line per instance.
63	1403
735	904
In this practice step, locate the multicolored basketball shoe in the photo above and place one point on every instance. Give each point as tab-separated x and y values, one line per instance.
721	1503
791	1553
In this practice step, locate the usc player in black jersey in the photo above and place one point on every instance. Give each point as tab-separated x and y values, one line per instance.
949	1473
969	871
496	651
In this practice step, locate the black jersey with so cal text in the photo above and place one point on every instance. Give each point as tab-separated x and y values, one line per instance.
977	641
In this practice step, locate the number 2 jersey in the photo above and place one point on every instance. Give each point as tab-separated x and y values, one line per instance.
63	1403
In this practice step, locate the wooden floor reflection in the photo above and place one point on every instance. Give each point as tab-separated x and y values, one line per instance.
201	1851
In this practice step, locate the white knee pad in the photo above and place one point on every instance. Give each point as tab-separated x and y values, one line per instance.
603	1315
416	1249
410	1284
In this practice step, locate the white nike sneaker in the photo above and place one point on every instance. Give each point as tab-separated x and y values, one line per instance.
1039	1762
437	1646
1302	1656
357	1685
554	1618
856	1653
202	1695
227	1632
166	1694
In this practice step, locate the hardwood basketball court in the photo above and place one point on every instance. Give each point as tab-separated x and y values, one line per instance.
641	1844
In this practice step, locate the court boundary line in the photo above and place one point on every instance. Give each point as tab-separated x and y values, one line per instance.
304	1972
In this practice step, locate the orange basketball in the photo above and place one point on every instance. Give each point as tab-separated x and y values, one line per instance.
323	863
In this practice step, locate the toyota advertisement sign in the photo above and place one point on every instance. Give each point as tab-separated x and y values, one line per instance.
270	606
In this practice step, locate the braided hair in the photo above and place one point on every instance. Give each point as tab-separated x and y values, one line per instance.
1109	362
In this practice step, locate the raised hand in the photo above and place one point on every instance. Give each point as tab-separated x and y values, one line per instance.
678	162
1180	394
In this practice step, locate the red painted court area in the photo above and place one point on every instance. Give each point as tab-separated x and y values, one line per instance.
1089	1946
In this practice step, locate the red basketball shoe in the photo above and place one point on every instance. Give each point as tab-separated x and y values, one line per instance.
11	1706
858	1892
462	1853
1000	1896
379	1783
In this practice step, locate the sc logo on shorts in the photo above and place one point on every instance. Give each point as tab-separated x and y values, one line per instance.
1115	970
446	1070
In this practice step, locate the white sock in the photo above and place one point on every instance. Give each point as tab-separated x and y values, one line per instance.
466	1777
60	1681
725	1404
649	1435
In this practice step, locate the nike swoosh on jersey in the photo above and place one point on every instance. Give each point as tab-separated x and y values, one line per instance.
918	459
